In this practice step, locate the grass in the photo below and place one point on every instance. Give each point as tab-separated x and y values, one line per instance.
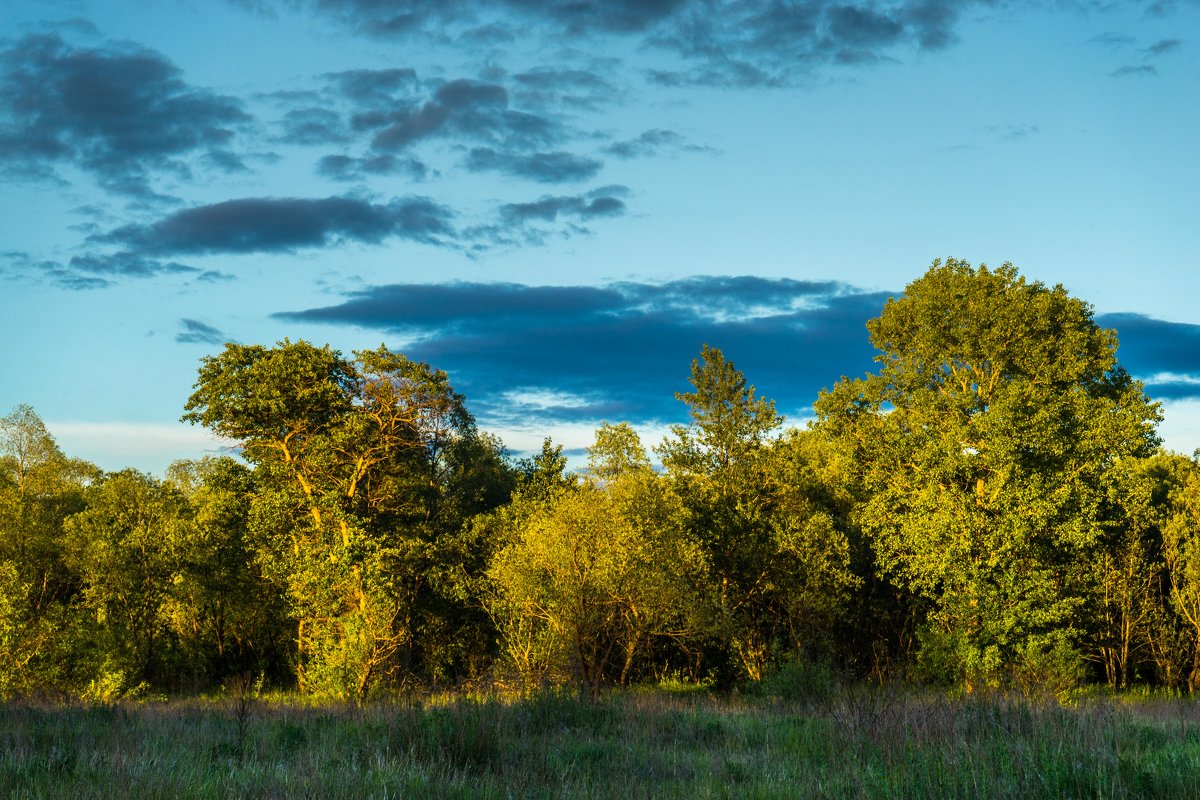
857	742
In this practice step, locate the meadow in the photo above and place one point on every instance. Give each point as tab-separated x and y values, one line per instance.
858	741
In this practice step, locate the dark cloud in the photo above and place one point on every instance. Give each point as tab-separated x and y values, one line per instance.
556	167
1144	70
258	225
347	168
605	202
1166	355
855	26
119	112
403	17
193	331
462	109
720	42
621	350
740	43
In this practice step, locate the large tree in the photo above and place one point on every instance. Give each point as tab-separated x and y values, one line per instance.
983	440
362	473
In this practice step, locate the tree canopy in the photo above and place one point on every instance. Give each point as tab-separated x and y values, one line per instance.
989	507
983	441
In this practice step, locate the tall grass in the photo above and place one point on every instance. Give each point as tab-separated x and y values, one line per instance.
855	742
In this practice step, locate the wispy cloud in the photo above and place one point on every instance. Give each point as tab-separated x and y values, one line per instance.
1140	70
555	167
193	331
1162	47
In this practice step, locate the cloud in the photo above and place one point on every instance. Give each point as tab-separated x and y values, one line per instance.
150	445
622	350
283	225
348	168
718	42
193	331
126	265
1113	39
215	276
375	87
404	17
604	202
1161	48
93	270
652	143
1144	70
1014	132
555	88
313	126
120	112
765	43
1165	355
556	355
461	109
556	167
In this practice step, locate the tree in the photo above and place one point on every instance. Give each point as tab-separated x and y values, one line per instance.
228	618
354	459
39	489
591	572
125	547
617	451
716	465
1181	552
982	441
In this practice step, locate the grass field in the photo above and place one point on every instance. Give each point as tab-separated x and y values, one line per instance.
858	742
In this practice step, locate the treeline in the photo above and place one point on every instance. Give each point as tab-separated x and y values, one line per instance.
989	508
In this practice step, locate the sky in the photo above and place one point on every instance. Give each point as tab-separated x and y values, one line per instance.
559	202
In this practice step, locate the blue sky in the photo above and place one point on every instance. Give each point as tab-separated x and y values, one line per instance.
559	202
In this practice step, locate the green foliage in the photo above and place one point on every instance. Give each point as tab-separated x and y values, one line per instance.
767	518
39	489
367	471
592	573
617	450
1181	553
127	549
983	442
987	508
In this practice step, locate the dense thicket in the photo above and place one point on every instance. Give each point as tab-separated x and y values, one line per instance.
988	508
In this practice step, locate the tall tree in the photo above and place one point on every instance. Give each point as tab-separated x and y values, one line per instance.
718	465
983	440
39	489
354	458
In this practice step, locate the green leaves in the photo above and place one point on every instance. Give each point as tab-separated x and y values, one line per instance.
982	441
